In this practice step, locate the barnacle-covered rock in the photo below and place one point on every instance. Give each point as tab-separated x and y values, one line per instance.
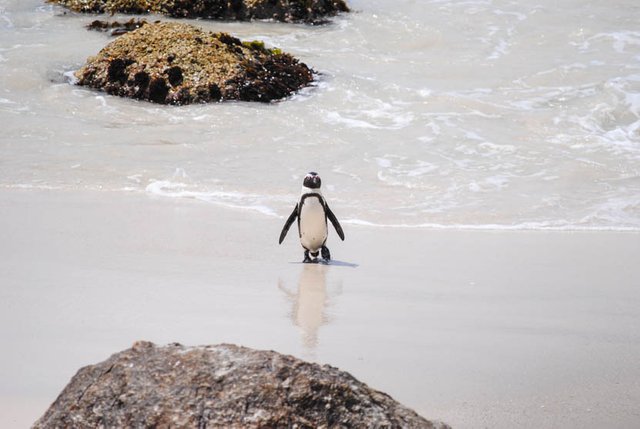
172	63
310	11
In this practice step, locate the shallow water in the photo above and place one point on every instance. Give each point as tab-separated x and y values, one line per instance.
475	114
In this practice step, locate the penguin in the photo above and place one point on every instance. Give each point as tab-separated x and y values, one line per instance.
312	212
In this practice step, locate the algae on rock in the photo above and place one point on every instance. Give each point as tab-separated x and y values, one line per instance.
174	63
310	11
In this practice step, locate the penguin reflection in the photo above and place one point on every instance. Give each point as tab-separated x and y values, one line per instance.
309	302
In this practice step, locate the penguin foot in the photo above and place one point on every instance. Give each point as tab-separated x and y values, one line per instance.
326	255
311	257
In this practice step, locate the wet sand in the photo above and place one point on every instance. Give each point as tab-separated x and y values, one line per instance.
496	329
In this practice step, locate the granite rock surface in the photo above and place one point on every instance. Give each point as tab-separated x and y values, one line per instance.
221	386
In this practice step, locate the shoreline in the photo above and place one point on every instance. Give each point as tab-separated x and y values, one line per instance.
268	212
495	328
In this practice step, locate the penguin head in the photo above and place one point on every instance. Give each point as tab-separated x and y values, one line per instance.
312	181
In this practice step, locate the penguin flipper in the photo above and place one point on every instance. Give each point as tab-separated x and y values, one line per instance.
288	223
335	223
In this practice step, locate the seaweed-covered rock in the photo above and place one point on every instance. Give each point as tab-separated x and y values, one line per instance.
174	63
220	386
310	11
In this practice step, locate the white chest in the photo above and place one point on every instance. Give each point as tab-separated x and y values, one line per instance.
313	224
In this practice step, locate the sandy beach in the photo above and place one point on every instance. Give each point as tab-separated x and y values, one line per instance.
474	328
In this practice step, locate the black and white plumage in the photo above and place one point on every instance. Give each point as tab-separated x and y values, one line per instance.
312	212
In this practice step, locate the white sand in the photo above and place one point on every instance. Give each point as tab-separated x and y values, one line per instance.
496	329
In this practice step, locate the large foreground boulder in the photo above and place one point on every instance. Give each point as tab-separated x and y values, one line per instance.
176	63
220	386
310	11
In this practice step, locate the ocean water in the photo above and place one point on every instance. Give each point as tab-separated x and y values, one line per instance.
482	114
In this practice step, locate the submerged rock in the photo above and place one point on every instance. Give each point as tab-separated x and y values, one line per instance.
117	28
173	63
220	386
310	11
